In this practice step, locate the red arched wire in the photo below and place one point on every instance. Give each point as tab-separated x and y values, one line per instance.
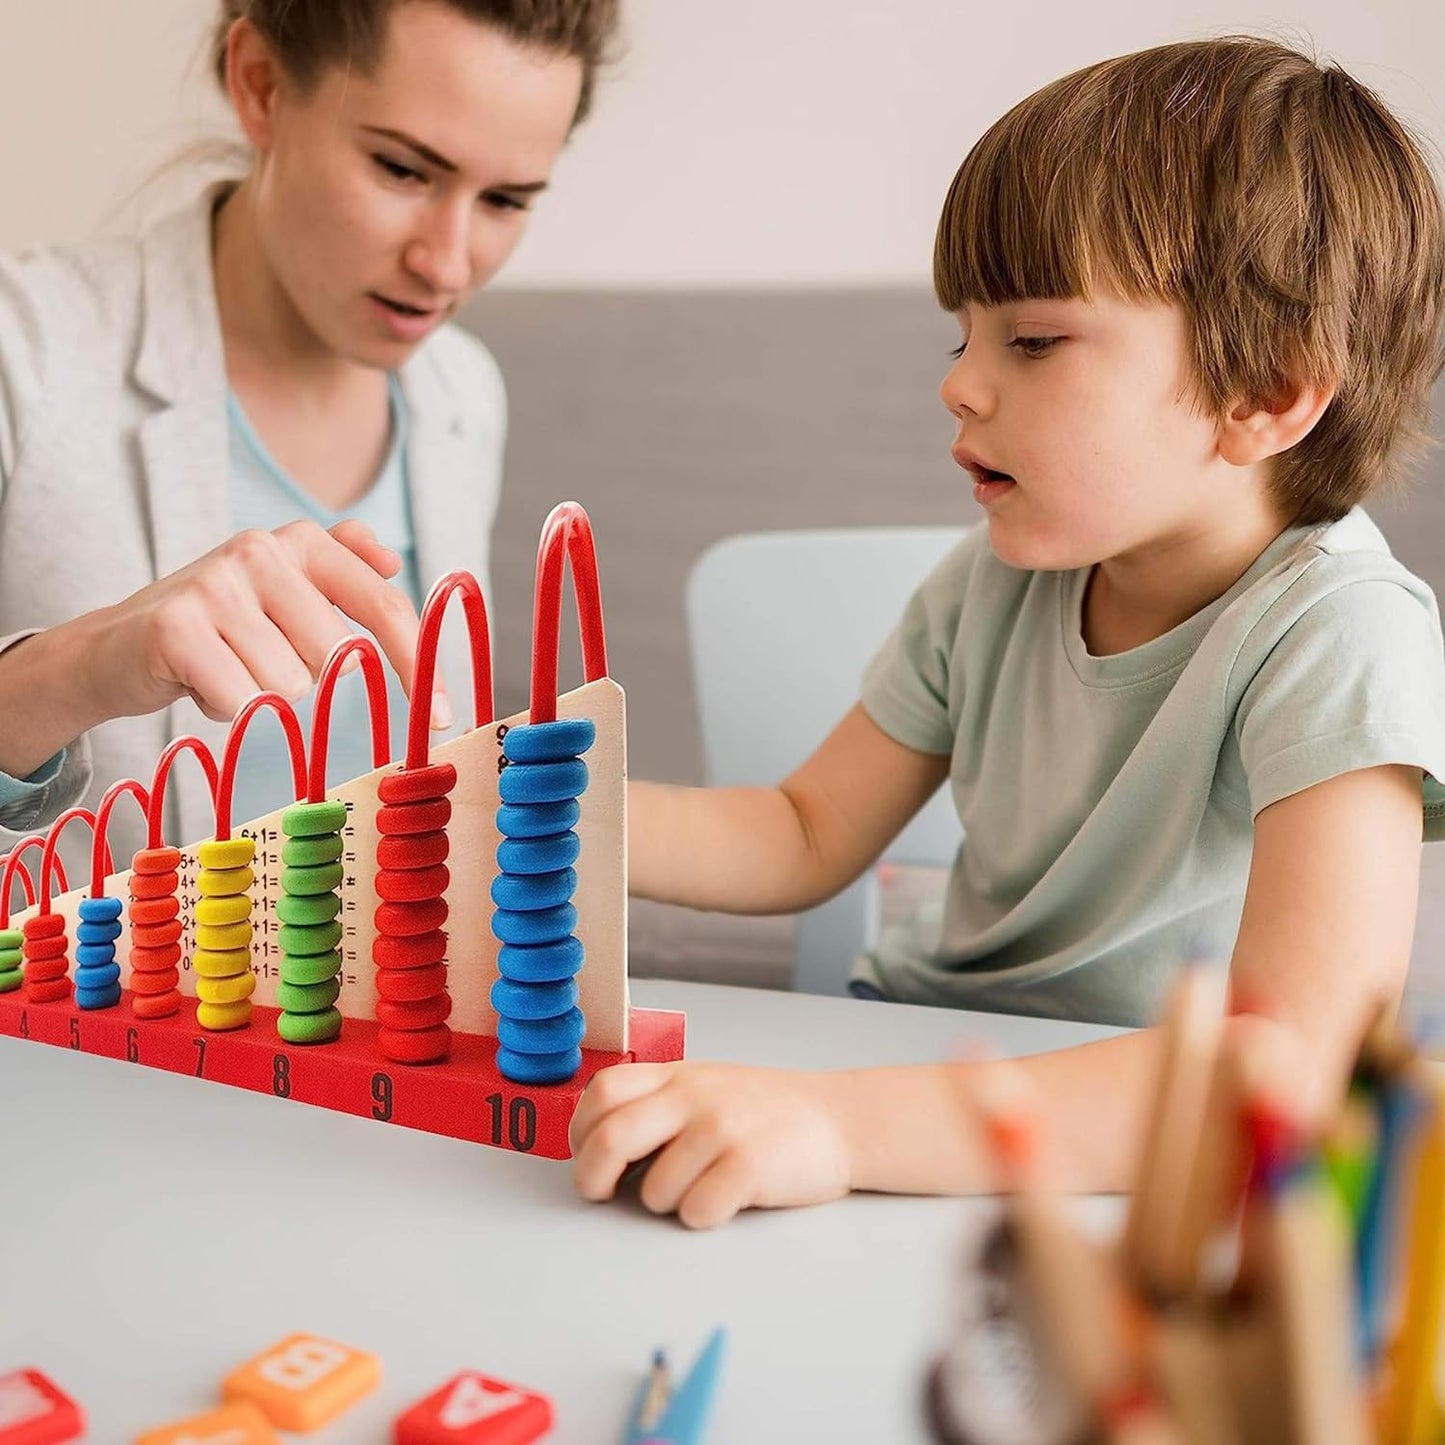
155	813
50	859
290	725
12	866
418	728
566	532
99	845
376	705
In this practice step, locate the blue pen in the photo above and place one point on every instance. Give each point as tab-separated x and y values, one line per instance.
661	1415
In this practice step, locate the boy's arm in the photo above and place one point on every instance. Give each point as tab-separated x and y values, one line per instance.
1324	941
780	849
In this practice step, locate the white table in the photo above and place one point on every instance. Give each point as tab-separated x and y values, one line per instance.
156	1231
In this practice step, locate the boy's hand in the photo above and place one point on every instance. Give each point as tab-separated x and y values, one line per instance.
726	1138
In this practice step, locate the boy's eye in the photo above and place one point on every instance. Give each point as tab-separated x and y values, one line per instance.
396	170
1035	345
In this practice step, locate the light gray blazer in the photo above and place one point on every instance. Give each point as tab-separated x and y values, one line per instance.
113	473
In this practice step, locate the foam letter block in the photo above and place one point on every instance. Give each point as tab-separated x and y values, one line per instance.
302	1382
474	1409
35	1412
241	1423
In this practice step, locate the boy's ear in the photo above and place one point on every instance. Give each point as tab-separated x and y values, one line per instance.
1254	431
252	78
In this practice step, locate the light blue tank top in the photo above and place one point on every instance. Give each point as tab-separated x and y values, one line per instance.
263	496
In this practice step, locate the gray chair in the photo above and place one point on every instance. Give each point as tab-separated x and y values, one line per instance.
781	626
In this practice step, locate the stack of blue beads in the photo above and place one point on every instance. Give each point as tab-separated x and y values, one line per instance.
539	1026
97	974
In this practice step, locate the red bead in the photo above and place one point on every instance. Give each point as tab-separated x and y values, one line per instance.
154	885
161	981
407	985
417	785
147	912
419	1046
423	1014
156	1005
44	925
37	948
416	850
415	885
50	991
406	920
414	952
155	960
414	817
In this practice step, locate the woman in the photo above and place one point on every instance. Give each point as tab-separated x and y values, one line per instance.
266	382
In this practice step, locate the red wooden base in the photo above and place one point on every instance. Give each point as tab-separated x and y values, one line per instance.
465	1097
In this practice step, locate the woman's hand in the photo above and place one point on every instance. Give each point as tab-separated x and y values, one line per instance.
726	1138
258	613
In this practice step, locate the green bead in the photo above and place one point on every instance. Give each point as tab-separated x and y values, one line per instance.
308	882
309	1028
308	912
11	958
309	820
315	969
10	980
302	942
295	998
311	852
11	938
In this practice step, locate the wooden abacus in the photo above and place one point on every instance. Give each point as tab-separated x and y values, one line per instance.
383	900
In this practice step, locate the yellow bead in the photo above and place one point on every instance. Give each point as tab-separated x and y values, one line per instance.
227	964
224	937
222	882
221	1016
217	912
233	853
226	990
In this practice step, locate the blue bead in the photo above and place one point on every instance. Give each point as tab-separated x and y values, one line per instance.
547	925
98	932
533	1000
546	963
97	976
538	855
529	892
95	955
542	782
98	998
538	1068
537	820
99	910
553	742
542	1036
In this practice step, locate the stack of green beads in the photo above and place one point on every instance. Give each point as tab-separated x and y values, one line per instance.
309	910
11	945
225	979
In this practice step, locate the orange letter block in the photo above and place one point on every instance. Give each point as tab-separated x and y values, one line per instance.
238	1424
303	1382
475	1410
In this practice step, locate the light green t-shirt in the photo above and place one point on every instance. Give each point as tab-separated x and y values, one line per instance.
1108	802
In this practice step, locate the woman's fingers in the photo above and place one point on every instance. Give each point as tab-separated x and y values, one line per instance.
346	579
265	651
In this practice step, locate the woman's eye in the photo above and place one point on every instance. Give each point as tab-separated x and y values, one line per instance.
501	201
397	170
958	350
1035	345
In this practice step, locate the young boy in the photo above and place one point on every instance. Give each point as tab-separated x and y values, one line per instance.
1185	699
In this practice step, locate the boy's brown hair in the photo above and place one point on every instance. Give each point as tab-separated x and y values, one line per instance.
1278	201
309	35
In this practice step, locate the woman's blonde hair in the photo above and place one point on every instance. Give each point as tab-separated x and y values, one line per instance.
310	35
1277	200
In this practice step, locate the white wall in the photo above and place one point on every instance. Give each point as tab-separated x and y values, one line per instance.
739	142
